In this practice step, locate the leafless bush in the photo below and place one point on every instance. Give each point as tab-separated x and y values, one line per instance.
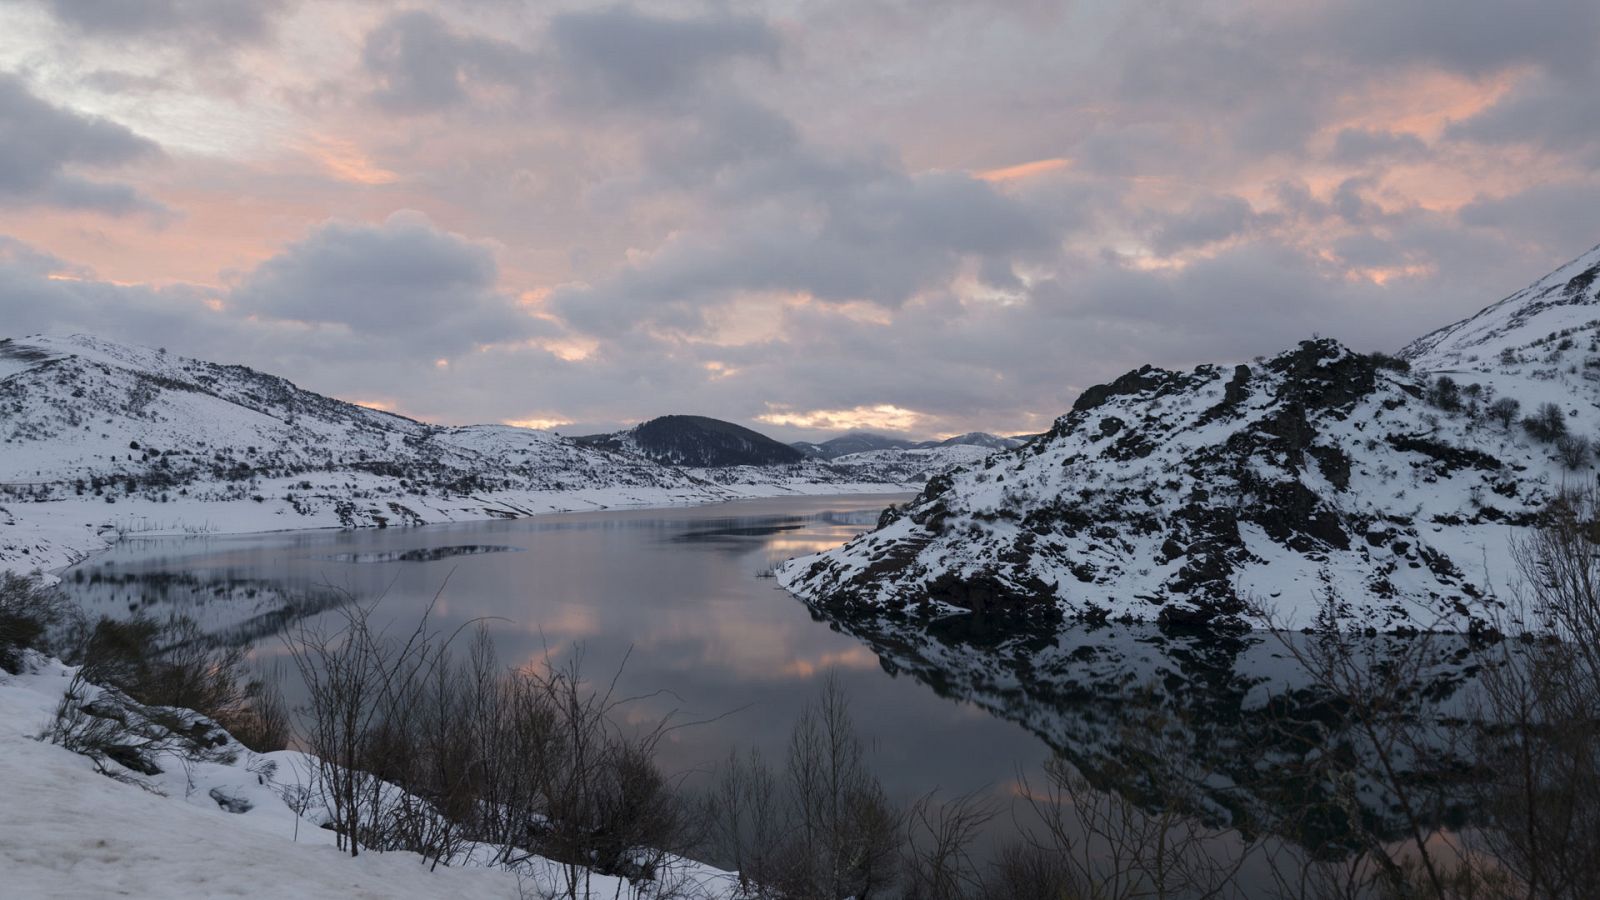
1504	410
845	839
422	752
126	739
28	611
1382	733
172	663
1574	450
1540	748
1106	846
939	864
825	828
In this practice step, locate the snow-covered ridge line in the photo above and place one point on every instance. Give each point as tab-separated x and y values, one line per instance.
1356	490
100	439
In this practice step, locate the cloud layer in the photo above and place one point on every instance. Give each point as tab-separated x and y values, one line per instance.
929	218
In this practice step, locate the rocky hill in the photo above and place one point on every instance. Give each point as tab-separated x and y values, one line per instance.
696	441
1367	490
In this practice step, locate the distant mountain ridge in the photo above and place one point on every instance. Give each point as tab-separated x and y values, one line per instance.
100	439
866	441
698	441
1346	488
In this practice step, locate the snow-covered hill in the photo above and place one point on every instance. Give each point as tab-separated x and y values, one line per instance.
98	439
1320	475
856	443
1562	306
696	441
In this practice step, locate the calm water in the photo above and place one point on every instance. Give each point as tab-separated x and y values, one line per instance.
676	599
675	592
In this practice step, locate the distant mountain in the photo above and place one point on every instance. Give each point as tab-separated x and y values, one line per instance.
853	442
696	441
100	439
865	442
122	419
1370	490
980	439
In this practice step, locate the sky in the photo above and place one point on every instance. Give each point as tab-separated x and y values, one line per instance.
807	216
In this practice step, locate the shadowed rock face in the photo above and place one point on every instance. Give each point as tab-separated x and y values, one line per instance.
1189	498
1197	498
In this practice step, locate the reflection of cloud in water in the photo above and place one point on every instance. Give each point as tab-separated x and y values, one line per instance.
854	658
564	625
798	546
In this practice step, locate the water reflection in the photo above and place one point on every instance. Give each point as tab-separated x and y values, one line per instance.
1233	730
676	594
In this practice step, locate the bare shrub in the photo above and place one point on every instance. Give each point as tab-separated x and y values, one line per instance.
172	663
1547	423
939	864
1540	748
1386	734
1505	410
1574	450
421	752
845	839
28	611
1105	845
825	828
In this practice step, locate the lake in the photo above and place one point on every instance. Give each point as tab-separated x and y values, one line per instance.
677	600
677	593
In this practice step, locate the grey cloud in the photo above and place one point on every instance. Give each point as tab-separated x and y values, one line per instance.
402	281
24	258
1358	146
882	240
1562	218
1474	37
620	56
425	65
1208	220
38	142
1545	111
204	24
32	302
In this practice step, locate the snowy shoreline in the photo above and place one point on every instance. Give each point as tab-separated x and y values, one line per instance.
53	535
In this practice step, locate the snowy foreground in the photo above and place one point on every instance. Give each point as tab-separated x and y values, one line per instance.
73	832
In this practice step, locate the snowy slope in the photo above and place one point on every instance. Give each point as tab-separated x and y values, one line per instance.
98	439
1560	305
85	835
1191	497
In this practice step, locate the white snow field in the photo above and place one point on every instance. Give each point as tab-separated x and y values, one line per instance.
68	831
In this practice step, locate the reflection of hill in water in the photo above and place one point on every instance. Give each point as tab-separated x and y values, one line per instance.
234	611
1227	728
420	554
